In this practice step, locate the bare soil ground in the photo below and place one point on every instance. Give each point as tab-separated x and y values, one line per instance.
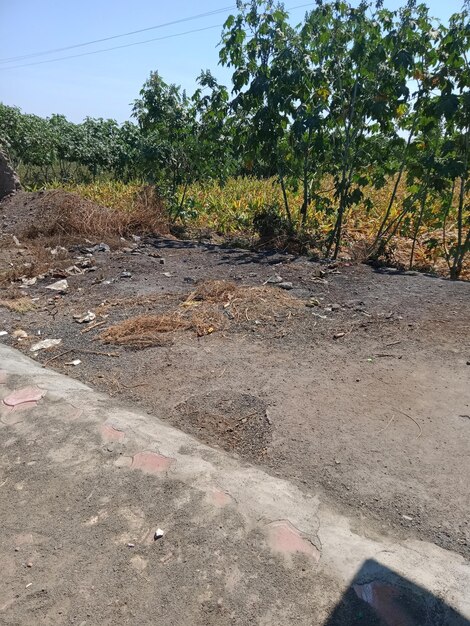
356	379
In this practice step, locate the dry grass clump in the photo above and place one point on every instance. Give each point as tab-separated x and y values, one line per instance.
59	213
213	291
17	305
144	331
242	302
210	307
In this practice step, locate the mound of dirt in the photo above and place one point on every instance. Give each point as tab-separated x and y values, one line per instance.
59	213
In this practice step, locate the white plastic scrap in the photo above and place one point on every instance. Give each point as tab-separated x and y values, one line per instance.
74	362
45	344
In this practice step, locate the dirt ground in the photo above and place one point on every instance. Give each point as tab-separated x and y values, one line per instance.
359	385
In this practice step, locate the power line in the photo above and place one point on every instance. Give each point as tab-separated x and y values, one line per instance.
133	32
129	45
126	45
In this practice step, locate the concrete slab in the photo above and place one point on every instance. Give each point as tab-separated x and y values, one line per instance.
85	482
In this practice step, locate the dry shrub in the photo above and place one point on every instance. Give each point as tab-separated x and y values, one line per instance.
208	308
59	213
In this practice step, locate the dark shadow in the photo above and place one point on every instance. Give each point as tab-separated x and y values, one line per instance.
230	256
378	596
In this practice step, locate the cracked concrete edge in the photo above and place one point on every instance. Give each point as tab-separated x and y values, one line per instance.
259	496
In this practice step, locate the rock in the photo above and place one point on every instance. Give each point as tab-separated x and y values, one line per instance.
313	302
87	317
28	282
407	518
9	181
338	335
158	534
20	334
100	247
3	333
45	344
125	275
60	285
274	280
285	285
73	269
335	307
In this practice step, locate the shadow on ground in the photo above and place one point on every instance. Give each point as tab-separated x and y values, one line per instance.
378	596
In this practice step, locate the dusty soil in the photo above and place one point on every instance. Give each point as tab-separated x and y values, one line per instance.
364	392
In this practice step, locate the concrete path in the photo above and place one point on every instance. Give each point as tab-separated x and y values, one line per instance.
86	485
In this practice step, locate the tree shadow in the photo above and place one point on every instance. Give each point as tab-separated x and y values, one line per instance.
378	596
229	256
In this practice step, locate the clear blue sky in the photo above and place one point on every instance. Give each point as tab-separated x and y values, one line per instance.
104	85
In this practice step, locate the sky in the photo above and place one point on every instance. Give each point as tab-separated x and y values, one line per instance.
106	84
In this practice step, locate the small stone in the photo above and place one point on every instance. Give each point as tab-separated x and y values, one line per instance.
286	285
338	335
274	280
89	316
335	307
126	275
313	302
131	545
407	518
60	285
158	534
29	564
20	334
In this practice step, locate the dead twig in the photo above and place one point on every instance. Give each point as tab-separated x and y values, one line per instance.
388	424
88	328
57	356
246	417
97	352
413	420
